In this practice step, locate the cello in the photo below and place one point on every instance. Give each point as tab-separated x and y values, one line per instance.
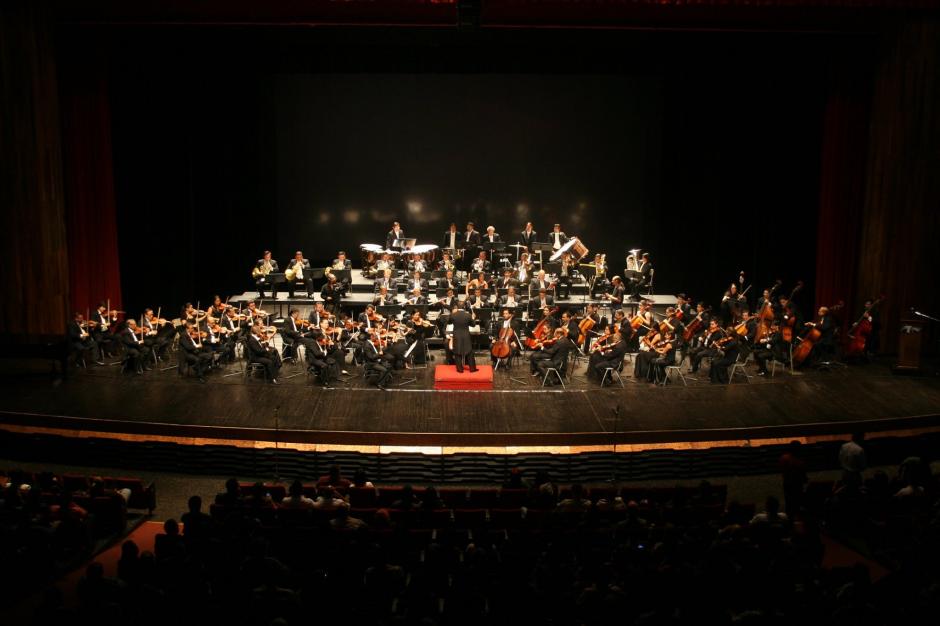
501	348
861	331
786	328
812	336
694	326
540	330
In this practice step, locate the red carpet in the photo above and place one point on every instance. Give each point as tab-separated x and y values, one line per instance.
446	377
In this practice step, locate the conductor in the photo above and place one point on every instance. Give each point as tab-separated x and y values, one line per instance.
462	347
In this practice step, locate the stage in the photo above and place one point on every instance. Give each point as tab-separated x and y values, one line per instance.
159	405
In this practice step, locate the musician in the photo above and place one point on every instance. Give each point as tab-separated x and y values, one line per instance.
460	342
600	275
643	278
295	336
565	275
135	351
643	363
610	353
528	236
869	314
540	283
570	325
231	329
665	353
329	357
377	371
396	347
417	264
765	299
447	263
416	282
770	346
551	322
387	262
731	304
416	298
317	315
264	266
727	353
543	301
448	282
477	300
387	281
507	280
477	283
557	238
615	295
510	328
472	241
196	355
445	305
451	237
683	309
393	235
159	333
787	314
511	299
480	264
491	235
523	269
703	347
301	268
253	312
341	262
216	309
101	322
80	340
419	329
383	298
332	293
596	325
554	355
825	347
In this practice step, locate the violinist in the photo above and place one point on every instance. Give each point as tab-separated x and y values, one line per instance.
551	353
704	346
134	349
615	295
231	330
317	315
295	336
377	371
726	353
80	339
332	293
214	313
369	318
606	352
419	330
159	335
642	365
321	359
102	322
299	270
263	267
330	340
253	313
194	352
665	355
509	329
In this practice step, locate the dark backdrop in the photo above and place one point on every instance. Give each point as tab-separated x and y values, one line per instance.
702	148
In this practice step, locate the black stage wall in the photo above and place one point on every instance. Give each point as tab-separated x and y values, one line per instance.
702	148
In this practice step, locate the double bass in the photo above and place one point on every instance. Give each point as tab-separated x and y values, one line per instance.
812	336
786	328
860	332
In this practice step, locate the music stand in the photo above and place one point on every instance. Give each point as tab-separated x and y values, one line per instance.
388	311
490	246
541	247
411	308
342	275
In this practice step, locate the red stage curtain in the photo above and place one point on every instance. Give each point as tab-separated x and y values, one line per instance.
89	181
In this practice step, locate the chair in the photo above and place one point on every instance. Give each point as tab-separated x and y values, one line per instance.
251	367
549	372
673	369
738	367
612	373
469	518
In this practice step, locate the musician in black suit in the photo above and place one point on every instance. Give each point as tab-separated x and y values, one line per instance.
462	345
539	283
134	349
542	301
341	262
684	307
726	355
480	264
383	298
102	322
511	299
259	352
264	266
451	237
507	280
231	330
511	328
393	235
416	282
610	354
645	276
570	323
491	235
449	282
555	355
80	340
386	279
331	293
416	298
295	336
377	369
471	240
557	237
445	305
528	236
196	356
299	263
317	315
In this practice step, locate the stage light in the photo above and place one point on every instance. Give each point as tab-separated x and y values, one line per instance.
351	216
414	206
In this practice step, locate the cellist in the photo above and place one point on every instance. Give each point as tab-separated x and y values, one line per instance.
508	329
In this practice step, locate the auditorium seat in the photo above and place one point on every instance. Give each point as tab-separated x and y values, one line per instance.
509	519
453	497
362	497
509	498
469	518
483	498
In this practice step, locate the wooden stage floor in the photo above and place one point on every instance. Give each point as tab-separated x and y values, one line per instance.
102	400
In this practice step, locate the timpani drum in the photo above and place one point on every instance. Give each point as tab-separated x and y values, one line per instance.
429	252
370	253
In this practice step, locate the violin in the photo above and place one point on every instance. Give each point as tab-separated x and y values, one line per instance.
195	333
546	342
601	343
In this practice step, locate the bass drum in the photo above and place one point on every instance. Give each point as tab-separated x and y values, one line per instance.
370	253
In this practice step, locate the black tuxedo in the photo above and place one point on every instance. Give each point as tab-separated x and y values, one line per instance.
557	239
420	300
421	284
389	298
197	357
390	238
527	239
503	301
457	238
486	238
332	293
269	358
306	281
262	281
134	349
463	344
602	359
391	284
77	343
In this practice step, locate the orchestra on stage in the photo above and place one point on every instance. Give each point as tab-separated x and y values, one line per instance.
475	292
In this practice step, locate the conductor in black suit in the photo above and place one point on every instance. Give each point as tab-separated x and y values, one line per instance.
462	345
